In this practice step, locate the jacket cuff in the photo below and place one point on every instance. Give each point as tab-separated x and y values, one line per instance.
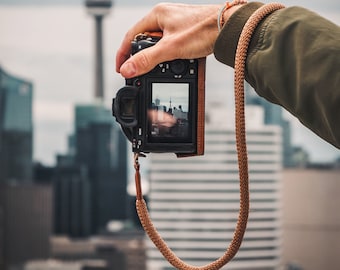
227	40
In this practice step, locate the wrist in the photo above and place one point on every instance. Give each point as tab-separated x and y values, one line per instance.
228	13
227	10
226	42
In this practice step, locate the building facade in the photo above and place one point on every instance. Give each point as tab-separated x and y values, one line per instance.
72	194
194	202
101	148
16	129
26	223
311	218
90	180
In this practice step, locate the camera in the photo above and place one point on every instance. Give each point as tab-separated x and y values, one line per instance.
164	109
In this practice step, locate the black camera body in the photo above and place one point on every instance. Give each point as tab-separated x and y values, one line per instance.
163	110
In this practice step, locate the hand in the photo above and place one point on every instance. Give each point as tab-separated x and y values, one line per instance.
161	119
189	31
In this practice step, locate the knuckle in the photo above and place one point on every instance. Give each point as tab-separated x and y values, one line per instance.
160	8
129	35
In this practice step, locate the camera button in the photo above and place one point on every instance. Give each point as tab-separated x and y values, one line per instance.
192	71
137	83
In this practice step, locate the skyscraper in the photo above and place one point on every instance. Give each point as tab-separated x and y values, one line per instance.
90	180
101	148
194	202
16	128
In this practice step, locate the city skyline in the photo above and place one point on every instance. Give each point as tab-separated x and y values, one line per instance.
171	95
57	57
89	180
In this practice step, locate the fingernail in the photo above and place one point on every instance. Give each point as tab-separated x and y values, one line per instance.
128	69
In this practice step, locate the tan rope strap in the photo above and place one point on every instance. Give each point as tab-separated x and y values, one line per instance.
240	59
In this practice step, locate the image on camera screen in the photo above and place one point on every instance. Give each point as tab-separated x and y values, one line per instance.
168	114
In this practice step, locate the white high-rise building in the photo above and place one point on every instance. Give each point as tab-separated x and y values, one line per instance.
194	202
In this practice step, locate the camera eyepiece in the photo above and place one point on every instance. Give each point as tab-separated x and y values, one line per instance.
124	106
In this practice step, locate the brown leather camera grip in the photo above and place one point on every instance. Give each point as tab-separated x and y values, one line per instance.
201	106
200	124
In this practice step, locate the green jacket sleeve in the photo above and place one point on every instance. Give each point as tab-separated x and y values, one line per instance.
294	61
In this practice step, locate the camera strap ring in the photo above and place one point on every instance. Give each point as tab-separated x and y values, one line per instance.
240	59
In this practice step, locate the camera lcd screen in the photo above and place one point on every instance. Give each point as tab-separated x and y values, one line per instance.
168	115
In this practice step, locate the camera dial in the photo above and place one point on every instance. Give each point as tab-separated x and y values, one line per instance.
178	67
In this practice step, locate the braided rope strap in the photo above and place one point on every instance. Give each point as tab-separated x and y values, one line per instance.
240	59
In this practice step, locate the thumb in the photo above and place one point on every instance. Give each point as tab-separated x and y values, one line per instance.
143	61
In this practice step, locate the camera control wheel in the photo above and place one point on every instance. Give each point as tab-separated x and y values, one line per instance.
178	67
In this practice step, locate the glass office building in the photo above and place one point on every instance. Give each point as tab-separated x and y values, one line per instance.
101	148
16	128
90	181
